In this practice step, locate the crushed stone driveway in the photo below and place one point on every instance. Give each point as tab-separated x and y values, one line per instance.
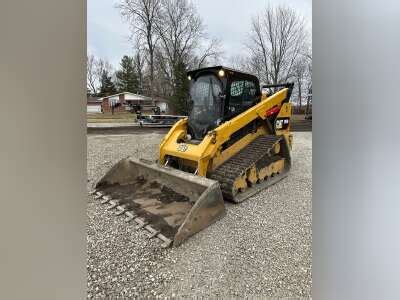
261	248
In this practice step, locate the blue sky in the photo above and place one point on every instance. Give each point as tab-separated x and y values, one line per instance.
228	20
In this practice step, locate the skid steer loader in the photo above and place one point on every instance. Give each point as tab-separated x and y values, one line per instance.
235	142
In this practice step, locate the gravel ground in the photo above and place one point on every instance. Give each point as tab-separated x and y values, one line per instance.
261	248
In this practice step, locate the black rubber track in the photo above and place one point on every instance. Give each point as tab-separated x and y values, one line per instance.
259	153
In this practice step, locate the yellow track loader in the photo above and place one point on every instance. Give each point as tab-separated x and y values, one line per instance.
235	142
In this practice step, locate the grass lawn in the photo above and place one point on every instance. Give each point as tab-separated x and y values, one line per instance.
121	117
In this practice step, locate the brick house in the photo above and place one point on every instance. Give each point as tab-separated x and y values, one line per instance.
124	101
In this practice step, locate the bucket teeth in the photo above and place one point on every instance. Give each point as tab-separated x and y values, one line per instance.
98	195
141	223
153	232
114	204
106	199
130	216
166	244
166	241
121	210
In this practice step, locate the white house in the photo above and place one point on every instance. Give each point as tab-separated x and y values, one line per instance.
93	105
126	100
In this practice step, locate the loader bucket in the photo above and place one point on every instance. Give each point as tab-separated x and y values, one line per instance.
171	204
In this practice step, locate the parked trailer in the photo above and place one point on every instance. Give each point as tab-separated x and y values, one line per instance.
158	120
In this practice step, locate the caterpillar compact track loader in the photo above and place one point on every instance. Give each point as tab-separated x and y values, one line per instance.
235	142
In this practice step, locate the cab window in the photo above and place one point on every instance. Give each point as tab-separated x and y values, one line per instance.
242	95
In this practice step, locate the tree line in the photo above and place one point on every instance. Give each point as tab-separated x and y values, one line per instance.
102	80
279	50
169	38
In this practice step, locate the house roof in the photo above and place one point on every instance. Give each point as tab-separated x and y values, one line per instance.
133	95
94	100
217	68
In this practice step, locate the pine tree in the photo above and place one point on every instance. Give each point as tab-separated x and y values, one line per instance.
181	89
127	79
107	86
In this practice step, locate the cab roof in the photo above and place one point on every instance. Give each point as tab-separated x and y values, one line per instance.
228	70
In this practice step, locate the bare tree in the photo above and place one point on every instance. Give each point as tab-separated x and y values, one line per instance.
259	52
94	70
91	74
180	29
213	52
103	65
276	40
164	82
183	45
245	64
300	73
139	66
167	34
143	15
183	38
139	61
308	55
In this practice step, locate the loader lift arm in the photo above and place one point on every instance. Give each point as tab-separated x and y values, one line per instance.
212	142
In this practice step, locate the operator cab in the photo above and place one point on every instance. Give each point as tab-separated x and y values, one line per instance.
217	94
